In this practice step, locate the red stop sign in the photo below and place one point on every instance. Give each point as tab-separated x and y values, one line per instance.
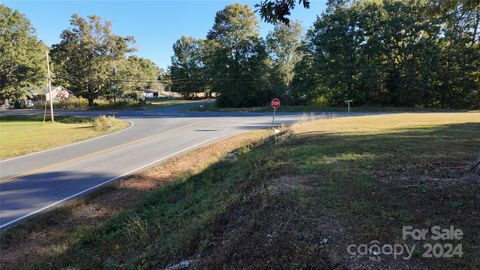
275	103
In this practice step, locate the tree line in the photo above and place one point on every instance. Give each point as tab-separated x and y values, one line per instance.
423	53
90	60
402	53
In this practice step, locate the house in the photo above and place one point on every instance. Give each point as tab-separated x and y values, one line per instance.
58	93
150	93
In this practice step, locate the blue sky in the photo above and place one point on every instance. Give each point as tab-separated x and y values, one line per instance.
156	25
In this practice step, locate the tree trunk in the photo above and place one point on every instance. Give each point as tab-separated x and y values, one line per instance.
90	102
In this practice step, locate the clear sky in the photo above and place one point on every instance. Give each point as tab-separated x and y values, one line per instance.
156	25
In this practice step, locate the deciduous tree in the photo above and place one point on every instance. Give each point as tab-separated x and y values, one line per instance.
237	58
283	45
86	55
22	55
188	69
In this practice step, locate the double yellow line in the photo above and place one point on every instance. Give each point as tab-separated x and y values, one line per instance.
103	151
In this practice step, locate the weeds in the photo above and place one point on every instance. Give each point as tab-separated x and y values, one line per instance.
104	123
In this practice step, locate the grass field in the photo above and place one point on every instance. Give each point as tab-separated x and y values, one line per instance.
21	135
296	200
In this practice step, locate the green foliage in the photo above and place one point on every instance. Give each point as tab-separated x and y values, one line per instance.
131	75
73	103
22	56
415	53
86	56
283	45
237	58
275	11
402	53
188	69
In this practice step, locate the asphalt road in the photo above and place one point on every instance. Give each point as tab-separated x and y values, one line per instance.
36	182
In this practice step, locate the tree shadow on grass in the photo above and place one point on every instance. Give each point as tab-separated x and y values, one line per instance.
366	185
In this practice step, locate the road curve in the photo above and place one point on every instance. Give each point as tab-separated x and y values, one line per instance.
36	182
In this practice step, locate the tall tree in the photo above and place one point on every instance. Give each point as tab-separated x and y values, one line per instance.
188	69
391	52
459	77
86	55
336	40
283	45
22	55
237	58
135	74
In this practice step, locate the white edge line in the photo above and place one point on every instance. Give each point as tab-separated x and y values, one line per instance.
71	144
108	181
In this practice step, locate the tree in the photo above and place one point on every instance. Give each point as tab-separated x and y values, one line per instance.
283	45
135	74
304	87
401	53
459	76
237	58
86	56
336	40
22	56
188	69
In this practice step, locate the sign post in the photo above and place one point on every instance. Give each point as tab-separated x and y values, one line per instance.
275	104
348	104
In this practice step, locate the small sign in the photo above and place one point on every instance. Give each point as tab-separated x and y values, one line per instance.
275	103
348	104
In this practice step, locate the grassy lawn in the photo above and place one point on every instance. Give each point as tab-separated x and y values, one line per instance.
311	108
297	200
21	135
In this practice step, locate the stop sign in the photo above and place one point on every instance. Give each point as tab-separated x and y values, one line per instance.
275	103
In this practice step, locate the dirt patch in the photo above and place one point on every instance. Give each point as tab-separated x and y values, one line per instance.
51	232
285	184
263	232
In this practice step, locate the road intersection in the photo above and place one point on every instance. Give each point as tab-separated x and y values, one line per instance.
36	182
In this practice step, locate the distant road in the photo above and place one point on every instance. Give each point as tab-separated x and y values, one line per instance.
34	183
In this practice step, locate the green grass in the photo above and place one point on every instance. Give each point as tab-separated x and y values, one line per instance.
21	135
312	108
271	204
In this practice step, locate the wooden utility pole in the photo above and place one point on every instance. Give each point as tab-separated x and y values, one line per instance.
49	88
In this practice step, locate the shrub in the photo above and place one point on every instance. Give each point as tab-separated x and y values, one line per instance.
104	123
73	103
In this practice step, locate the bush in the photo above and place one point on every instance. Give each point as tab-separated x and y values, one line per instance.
104	123
73	103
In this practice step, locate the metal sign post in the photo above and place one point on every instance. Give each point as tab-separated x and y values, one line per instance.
275	104
273	119
348	104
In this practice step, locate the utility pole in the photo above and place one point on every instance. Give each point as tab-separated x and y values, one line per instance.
49	88
114	86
